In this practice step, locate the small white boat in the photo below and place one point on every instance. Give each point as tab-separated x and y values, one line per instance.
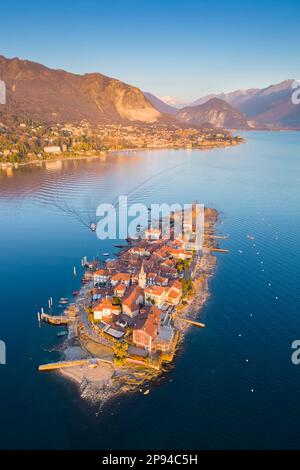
93	227
105	254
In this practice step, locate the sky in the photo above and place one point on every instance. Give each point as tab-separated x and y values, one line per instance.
185	49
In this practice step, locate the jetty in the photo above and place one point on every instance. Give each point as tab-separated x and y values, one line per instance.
219	250
56	319
191	322
94	362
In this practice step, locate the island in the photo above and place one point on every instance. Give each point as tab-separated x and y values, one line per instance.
131	313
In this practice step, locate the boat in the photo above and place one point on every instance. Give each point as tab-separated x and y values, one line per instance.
146	392
250	237
105	254
75	292
60	334
93	227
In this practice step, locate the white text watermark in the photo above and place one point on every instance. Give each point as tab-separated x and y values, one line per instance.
2	353
296	93
159	221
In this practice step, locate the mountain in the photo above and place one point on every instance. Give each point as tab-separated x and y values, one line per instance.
271	106
235	98
215	113
57	96
160	105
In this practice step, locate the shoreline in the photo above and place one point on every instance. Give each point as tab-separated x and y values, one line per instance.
107	153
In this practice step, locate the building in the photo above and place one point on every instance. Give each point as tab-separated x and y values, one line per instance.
142	277
175	292
179	253
165	334
155	295
101	276
132	301
146	328
105	309
123	278
153	233
119	290
139	251
52	149
151	278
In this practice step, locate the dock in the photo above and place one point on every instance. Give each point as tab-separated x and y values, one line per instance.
191	322
221	237
219	250
56	319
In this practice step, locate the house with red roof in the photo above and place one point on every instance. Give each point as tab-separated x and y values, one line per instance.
101	276
105	309
123	278
120	289
155	295
132	301
146	328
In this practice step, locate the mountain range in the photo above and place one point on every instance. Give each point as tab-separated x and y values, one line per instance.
57	96
269	107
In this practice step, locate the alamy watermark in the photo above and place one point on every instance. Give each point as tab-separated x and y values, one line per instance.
2	353
295	358
159	221
296	94
2	92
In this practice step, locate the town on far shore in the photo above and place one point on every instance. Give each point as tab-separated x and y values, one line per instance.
133	310
23	140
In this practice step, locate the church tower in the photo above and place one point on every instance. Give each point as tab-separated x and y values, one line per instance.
142	277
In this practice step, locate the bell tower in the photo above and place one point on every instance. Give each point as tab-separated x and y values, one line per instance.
142	277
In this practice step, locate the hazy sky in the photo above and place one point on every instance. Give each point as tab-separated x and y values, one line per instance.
180	48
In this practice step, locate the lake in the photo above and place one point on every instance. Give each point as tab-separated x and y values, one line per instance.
233	384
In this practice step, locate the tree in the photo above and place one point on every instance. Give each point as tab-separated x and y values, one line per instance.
120	352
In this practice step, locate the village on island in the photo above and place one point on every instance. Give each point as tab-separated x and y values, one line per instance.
131	311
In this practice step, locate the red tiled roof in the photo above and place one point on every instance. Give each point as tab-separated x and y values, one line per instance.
132	295
149	322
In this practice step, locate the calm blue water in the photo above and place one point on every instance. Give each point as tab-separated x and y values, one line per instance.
206	400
